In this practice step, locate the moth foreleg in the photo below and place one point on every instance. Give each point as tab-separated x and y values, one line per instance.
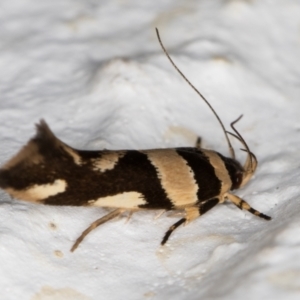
192	213
95	224
129	216
242	204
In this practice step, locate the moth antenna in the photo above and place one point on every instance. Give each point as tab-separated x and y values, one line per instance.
245	150
234	135
241	139
231	150
251	154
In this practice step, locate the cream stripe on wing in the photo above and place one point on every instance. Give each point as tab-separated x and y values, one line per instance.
107	161
39	192
123	200
177	178
220	170
76	157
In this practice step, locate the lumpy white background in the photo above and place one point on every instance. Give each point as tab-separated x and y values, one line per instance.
95	72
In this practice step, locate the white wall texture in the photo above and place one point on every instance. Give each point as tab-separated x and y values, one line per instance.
95	72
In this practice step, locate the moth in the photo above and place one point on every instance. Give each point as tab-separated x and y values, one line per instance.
192	179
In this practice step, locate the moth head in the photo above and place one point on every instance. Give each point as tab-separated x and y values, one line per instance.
239	174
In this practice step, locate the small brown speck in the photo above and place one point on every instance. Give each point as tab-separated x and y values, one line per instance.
58	253
149	294
52	226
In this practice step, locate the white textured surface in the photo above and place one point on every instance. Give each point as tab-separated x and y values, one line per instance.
96	73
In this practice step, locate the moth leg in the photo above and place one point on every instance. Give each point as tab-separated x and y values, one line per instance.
95	224
198	143
176	214
171	229
159	214
241	204
192	213
129	216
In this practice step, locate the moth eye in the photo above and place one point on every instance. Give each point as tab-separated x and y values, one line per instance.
239	178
